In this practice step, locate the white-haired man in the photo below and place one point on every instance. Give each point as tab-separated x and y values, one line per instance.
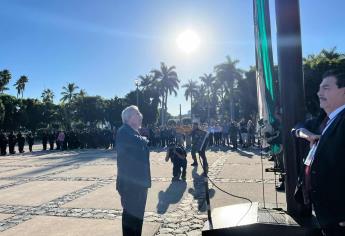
133	176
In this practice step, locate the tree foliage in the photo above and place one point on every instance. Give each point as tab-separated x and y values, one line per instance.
227	92
314	67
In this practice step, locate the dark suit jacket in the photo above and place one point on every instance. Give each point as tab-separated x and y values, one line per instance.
328	174
133	164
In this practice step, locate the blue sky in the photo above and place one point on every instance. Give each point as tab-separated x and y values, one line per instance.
103	46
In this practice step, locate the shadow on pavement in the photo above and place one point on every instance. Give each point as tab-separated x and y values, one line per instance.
244	153
171	195
69	158
199	190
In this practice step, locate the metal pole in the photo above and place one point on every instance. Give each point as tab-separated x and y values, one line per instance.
292	89
180	116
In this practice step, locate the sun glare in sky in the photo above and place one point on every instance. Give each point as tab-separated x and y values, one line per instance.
188	41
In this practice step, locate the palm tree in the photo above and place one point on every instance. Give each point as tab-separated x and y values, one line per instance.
332	54
5	77
82	93
191	91
150	84
146	82
168	82
208	80
69	92
47	96
228	74
20	85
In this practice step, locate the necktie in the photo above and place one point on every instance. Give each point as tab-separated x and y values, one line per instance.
307	169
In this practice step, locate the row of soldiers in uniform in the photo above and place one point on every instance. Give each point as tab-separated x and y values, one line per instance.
225	134
94	138
11	140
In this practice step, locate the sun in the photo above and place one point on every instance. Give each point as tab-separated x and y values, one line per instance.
188	41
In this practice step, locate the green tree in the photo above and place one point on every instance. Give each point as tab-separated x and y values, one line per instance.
82	93
147	81
69	92
89	109
47	96
191	91
20	85
5	77
113	109
150	85
208	80
314	67
32	114
148	105
2	113
246	93
168	82
13	113
200	104
228	74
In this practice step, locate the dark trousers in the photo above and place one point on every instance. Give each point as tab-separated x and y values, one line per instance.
131	225
233	140
133	201
30	147
210	138
51	145
11	149
44	145
203	158
3	150
21	148
179	164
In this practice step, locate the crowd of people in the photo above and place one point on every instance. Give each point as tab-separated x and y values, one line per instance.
226	134
57	140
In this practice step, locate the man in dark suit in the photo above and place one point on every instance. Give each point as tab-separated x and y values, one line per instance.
198	137
326	168
133	166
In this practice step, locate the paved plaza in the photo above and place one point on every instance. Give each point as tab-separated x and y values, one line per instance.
73	192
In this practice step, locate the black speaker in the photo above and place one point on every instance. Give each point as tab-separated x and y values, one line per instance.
261	229
249	220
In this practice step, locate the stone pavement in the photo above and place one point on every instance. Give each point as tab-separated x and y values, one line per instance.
73	192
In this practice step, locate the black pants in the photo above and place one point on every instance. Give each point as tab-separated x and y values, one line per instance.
21	148
233	140
131	225
179	164
133	201
3	150
11	149
203	158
